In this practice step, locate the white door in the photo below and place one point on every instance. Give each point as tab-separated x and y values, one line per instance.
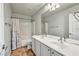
37	48
42	49
33	44
45	51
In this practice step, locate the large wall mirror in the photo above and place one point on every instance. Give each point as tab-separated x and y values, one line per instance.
62	22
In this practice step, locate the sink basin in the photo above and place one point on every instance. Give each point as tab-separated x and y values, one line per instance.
60	45
72	41
53	40
49	36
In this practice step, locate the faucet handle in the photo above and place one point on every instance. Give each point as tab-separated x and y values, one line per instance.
61	39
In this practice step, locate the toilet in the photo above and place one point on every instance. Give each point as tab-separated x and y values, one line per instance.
27	43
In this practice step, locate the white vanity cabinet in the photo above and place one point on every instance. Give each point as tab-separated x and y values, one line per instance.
40	49
45	51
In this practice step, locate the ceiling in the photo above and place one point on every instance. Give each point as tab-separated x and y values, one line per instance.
26	8
31	8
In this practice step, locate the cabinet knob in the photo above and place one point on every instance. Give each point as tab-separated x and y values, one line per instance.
52	52
48	49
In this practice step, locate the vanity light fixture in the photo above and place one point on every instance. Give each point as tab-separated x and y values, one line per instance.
53	6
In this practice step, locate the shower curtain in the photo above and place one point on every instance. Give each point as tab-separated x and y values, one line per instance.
25	31
16	41
21	33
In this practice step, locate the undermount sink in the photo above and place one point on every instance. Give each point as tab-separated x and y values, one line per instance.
60	45
72	41
49	36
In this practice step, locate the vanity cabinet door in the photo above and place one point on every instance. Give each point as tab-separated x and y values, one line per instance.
42	49
37	48
33	45
45	51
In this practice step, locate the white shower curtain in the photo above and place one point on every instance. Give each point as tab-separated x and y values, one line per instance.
16	43
21	33
25	31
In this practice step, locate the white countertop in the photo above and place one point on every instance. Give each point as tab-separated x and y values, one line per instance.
65	48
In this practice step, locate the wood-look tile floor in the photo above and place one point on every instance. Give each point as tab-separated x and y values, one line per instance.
22	52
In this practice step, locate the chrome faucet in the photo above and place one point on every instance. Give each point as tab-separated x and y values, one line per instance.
61	39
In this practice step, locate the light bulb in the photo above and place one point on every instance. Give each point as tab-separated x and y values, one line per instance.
53	8
49	6
57	5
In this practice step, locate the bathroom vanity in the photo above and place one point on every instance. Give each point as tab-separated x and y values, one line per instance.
50	46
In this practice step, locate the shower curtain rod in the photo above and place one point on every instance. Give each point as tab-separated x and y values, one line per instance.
20	18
